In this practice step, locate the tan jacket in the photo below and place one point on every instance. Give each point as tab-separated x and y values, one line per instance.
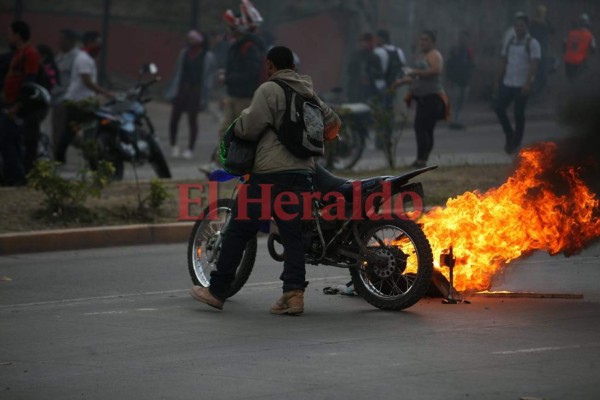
266	111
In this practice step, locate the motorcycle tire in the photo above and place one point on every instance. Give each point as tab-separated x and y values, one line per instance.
105	152
157	159
345	153
201	244
406	275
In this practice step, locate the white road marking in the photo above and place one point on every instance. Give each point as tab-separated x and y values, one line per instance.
120	311
124	295
549	348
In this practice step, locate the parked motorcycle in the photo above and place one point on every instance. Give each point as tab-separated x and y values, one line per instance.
358	120
390	261
122	131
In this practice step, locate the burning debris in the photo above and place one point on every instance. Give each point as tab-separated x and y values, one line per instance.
545	205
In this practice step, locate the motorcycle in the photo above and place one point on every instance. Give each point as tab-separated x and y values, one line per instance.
390	261
357	120
122	131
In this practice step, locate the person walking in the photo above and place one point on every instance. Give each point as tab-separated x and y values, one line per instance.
520	57
276	170
190	89
392	61
244	70
580	43
82	89
541	30
17	128
364	72
459	68
427	91
64	59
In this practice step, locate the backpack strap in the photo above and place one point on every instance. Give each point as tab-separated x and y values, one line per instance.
288	98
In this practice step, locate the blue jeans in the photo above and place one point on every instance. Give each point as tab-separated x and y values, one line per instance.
239	232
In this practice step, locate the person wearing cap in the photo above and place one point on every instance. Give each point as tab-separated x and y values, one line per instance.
64	59
519	61
244	69
190	89
579	44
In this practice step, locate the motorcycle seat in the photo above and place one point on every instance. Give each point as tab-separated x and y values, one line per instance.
324	182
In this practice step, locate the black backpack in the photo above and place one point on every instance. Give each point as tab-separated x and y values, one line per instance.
301	131
394	67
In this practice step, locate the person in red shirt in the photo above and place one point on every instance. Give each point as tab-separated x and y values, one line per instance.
579	44
16	128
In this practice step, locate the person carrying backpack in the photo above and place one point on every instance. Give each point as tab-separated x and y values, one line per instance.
392	60
244	68
520	57
269	121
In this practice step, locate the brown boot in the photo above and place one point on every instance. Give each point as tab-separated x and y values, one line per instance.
203	295
291	302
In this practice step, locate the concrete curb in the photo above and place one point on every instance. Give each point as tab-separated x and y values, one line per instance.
86	238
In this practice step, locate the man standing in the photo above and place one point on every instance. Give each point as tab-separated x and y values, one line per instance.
82	88
520	56
459	69
541	29
244	69
392	60
15	127
579	44
364	72
276	170
67	44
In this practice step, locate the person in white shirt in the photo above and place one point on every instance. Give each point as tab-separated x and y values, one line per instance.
520	57
82	87
64	61
392	60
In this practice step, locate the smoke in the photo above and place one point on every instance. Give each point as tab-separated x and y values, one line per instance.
580	113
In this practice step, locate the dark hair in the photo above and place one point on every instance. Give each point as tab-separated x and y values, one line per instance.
383	35
523	18
90	37
281	57
22	29
432	35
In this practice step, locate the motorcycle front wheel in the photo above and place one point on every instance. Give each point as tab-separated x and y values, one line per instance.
204	247
157	158
402	273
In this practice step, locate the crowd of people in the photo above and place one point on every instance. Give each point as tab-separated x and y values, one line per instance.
35	76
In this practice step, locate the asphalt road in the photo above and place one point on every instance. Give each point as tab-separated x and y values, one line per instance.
119	323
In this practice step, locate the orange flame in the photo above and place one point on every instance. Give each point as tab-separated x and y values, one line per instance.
488	231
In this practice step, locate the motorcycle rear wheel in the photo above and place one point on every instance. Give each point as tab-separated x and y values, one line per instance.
204	247
405	277
344	153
